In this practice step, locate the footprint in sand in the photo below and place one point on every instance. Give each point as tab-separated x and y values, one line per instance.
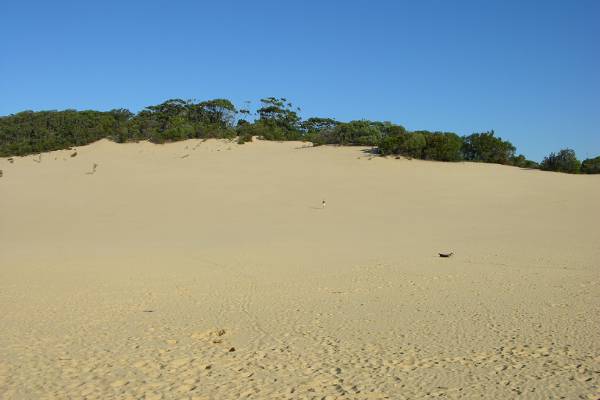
215	335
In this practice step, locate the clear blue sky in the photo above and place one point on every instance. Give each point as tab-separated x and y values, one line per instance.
527	69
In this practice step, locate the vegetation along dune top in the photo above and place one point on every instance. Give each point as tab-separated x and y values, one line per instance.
31	132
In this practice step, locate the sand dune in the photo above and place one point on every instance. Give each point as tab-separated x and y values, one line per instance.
209	270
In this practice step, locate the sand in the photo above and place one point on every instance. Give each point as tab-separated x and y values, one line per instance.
209	270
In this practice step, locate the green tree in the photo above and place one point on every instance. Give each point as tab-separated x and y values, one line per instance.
178	119
393	129
442	146
591	166
485	147
363	133
33	132
277	120
522	162
122	118
563	161
413	145
280	112
317	130
318	125
408	144
220	112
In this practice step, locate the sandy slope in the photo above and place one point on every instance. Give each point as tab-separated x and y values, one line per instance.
135	282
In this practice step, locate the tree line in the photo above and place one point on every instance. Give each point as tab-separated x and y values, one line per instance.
30	132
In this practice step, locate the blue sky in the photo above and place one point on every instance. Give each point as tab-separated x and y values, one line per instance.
527	69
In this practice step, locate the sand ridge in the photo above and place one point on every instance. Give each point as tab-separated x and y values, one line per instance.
208	269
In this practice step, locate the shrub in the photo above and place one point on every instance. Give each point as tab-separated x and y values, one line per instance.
591	166
522	162
485	147
412	145
389	145
363	132
442	146
563	161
